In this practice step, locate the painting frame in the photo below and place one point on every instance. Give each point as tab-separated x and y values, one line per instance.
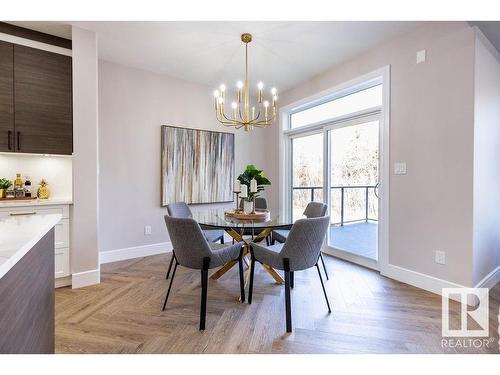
184	140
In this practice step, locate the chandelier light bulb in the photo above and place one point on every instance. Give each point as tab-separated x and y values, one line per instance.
260	85
273	91
239	84
222	87
216	93
266	104
234	105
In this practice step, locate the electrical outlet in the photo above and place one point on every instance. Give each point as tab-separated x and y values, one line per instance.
440	257
147	230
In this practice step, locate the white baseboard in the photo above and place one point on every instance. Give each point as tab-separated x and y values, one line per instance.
86	278
490	280
63	281
420	280
134	252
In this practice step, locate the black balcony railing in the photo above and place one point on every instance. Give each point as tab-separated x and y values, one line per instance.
343	189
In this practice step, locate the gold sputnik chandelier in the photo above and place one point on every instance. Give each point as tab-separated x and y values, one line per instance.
243	114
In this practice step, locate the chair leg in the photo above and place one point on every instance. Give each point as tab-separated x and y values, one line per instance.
242	282
170	285
204	289
170	266
292	279
252	271
323	286
324	267
288	305
222	240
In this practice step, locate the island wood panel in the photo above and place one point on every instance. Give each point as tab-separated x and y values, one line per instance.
6	96
27	302
43	101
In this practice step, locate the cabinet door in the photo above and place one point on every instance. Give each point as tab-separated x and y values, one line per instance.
6	96
43	102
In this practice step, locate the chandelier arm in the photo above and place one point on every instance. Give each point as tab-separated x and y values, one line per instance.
265	122
255	118
223	122
241	117
228	119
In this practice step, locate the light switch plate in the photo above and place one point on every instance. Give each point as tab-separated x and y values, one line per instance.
147	230
421	56
400	168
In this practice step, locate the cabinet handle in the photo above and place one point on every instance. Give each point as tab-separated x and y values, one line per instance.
22	213
18	141
9	139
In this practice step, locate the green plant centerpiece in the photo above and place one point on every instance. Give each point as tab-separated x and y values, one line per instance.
250	173
4	185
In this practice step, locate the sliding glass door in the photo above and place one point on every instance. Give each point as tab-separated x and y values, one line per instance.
353	169
332	153
307	172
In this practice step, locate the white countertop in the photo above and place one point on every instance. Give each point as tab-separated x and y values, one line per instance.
36	202
18	234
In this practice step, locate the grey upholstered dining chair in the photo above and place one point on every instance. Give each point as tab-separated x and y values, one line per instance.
313	209
181	209
300	251
192	250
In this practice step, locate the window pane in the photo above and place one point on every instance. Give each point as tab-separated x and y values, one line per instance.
357	101
307	172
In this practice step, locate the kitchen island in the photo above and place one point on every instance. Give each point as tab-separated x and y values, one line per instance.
27	283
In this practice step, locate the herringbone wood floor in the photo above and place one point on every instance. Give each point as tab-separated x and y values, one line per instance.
371	314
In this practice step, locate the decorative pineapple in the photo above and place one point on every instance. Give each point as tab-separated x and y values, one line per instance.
43	191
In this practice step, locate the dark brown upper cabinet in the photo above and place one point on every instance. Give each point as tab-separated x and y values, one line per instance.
43	114
6	97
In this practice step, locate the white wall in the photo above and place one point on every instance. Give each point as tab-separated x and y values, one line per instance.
133	104
431	129
56	170
486	159
85	210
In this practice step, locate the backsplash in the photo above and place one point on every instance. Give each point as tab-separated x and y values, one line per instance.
56	170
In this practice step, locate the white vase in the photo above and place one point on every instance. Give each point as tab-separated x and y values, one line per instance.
247	206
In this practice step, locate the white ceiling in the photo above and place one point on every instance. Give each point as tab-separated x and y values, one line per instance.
282	54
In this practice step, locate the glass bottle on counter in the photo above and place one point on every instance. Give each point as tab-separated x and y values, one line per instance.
27	186
18	186
18	182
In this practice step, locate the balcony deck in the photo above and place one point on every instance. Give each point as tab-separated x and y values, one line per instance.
356	238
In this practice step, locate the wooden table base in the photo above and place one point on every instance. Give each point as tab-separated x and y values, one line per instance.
239	238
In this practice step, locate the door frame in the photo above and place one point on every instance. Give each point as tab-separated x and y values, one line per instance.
382	75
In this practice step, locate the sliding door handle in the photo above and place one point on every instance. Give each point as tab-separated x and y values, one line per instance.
9	139
18	141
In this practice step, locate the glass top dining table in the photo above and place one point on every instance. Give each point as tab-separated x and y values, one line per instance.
217	219
246	231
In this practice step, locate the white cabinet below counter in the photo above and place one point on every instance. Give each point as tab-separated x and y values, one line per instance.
62	232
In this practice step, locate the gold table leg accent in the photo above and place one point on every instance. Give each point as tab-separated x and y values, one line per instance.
275	275
239	238
221	271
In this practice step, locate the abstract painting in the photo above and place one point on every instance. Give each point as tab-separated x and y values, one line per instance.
197	166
